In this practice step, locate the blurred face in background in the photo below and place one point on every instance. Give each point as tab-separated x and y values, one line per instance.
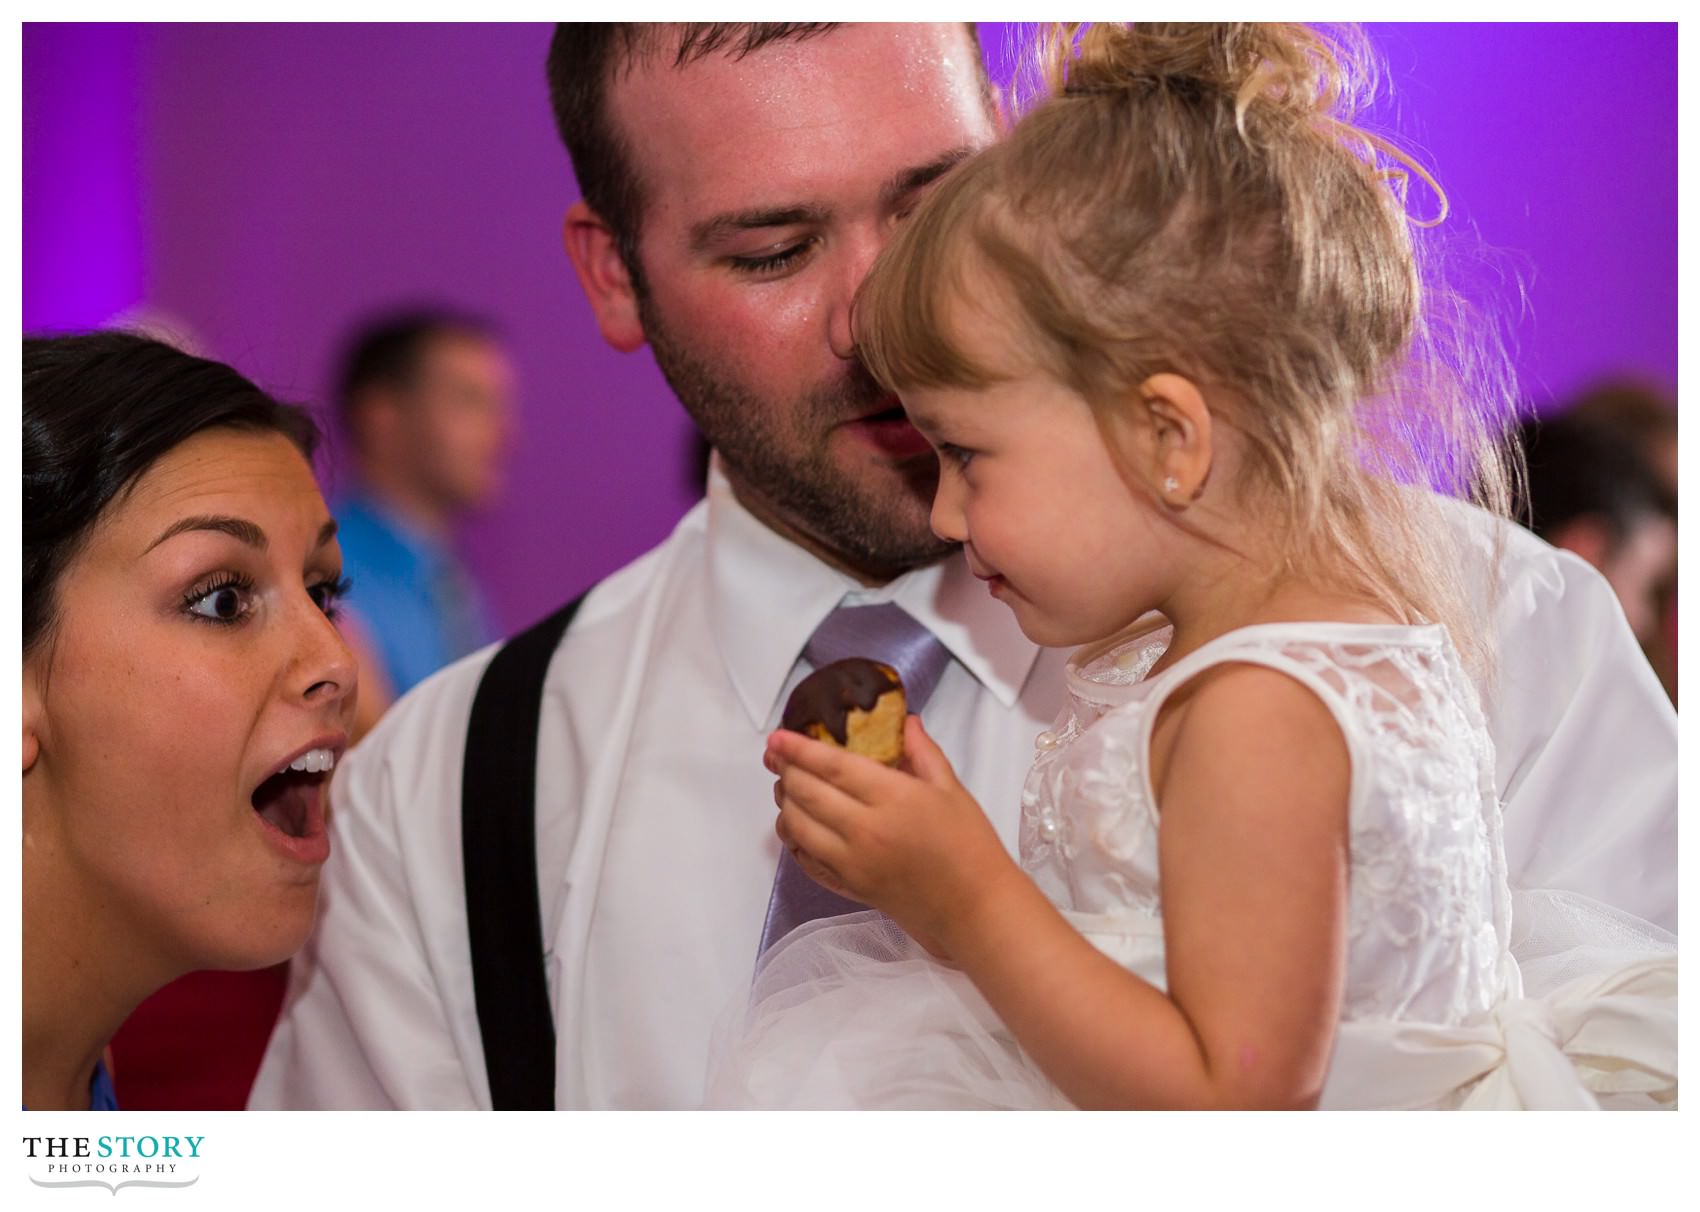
453	422
1641	567
191	663
770	182
1636	556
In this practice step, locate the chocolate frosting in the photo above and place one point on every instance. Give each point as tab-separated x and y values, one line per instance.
829	694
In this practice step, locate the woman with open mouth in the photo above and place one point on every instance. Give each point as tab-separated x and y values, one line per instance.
186	693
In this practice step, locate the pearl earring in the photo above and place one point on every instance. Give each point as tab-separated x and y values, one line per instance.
1171	485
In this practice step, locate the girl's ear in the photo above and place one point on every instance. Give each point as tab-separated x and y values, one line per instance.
1181	449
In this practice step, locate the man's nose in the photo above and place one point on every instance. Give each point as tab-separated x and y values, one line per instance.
859	252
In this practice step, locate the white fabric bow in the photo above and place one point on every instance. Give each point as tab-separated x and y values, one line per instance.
1610	1034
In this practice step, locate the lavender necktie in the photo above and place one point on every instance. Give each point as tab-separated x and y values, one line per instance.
886	633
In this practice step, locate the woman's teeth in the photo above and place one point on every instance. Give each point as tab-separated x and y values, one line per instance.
314	761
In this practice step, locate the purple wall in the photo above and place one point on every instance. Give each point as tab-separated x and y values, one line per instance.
84	255
265	186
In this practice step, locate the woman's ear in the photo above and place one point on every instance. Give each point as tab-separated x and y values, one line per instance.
1181	437
32	722
602	273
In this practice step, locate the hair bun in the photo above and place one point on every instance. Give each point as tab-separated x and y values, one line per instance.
1281	68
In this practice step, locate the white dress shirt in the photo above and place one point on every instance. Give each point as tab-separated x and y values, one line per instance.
655	824
1584	735
656	848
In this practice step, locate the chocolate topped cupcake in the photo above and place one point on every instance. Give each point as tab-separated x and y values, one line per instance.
856	704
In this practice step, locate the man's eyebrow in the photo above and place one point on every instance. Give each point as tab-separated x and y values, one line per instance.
705	234
912	179
709	231
237	528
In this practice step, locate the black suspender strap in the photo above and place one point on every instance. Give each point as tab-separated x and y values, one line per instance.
498	818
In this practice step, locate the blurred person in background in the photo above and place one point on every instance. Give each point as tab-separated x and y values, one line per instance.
1641	413
1594	490
427	399
1645	414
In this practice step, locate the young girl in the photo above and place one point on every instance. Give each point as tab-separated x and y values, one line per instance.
1174	347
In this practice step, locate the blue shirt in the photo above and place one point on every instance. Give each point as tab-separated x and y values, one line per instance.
102	1097
420	607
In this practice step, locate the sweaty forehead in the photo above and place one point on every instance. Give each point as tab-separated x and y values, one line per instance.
800	120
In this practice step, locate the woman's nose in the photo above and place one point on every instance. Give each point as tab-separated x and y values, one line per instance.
326	670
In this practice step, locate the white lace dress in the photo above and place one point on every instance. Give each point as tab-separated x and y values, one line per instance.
1444	1004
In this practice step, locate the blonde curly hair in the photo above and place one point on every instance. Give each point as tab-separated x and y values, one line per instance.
1195	198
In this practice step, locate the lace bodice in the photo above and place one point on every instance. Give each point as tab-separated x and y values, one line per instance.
1428	926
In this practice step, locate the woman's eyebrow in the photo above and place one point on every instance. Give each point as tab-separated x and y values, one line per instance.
327	532
240	529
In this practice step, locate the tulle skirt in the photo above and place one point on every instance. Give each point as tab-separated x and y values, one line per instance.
850	1013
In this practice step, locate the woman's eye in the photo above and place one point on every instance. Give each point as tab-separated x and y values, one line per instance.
227	602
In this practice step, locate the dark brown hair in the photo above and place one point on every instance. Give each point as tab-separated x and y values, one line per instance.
100	408
583	59
387	350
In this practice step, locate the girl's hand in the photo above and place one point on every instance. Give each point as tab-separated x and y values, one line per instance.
911	842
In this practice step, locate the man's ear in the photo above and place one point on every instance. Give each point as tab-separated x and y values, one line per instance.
602	273
1182	437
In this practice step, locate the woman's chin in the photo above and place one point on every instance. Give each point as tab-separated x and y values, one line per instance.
271	937
253	958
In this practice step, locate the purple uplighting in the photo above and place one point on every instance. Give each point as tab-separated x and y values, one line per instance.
85	252
264	187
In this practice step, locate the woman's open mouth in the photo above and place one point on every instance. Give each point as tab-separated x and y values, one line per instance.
291	806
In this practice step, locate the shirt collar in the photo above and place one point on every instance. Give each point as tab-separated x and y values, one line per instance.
767	595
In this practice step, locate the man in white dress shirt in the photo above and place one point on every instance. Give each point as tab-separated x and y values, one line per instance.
737	186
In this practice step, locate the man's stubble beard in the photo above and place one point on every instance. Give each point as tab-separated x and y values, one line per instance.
878	530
